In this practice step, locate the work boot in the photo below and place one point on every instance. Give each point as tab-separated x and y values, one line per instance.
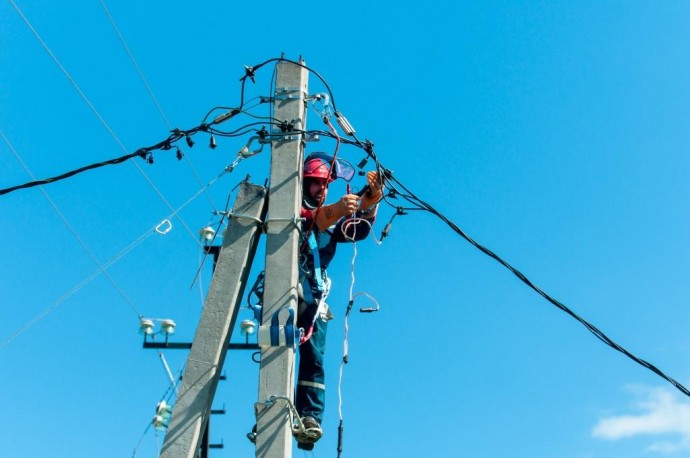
312	428
305	446
312	432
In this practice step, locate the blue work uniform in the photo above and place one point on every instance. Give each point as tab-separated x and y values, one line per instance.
310	394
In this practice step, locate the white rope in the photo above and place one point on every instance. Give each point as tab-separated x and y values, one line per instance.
352	221
357	220
343	361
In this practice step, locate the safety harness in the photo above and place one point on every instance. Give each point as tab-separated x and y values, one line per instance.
322	285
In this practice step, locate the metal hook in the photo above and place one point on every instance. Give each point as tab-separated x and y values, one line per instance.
245	152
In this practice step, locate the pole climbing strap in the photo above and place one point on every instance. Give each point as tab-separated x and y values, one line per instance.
278	335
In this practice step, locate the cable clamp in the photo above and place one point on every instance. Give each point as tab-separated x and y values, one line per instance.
288	130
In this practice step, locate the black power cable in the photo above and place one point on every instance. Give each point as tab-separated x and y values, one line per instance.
419	204
141	153
146	153
590	327
385	174
177	134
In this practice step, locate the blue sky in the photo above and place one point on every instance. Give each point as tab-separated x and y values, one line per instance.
553	133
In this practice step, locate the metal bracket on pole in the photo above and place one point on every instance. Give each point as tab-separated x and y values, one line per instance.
289	93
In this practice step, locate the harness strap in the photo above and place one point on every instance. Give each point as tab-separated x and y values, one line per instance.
318	274
321	307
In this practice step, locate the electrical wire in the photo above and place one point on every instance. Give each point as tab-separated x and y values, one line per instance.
97	114
228	169
146	153
141	439
410	196
149	90
45	312
172	389
349	222
136	65
393	182
72	229
299	64
71	173
48	310
240	131
419	204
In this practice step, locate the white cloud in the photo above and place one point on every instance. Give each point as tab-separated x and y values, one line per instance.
661	413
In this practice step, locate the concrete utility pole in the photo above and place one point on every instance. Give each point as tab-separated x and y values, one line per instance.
206	358
276	377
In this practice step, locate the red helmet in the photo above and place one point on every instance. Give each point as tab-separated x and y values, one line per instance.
318	168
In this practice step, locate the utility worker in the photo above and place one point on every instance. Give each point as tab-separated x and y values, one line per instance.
323	228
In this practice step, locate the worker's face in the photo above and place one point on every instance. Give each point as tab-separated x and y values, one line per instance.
318	190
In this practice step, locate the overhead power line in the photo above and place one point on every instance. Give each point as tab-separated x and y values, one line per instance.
73	230
108	264
397	189
144	153
71	173
97	114
151	94
416	201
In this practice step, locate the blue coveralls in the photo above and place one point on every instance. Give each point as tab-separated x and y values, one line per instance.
310	393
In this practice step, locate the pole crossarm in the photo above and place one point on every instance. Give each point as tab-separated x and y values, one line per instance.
207	355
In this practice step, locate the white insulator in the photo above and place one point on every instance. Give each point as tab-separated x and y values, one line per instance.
247	327
146	326
207	233
168	326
